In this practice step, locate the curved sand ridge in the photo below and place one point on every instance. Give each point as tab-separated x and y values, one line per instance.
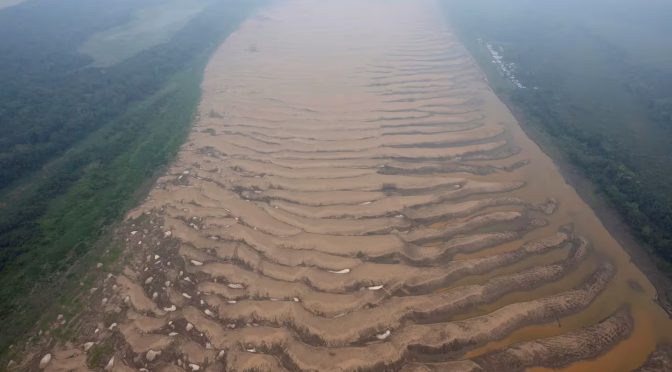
354	197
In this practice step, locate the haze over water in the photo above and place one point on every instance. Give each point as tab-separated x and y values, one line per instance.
354	195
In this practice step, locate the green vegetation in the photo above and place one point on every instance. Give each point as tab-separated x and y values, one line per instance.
81	143
598	78
148	27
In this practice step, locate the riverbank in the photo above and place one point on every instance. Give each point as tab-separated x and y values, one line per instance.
603	208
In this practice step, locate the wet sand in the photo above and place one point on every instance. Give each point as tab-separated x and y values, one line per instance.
353	196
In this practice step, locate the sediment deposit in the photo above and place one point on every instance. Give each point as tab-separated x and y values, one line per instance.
353	196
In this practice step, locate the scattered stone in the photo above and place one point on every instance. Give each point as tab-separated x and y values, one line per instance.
384	335
151	355
110	364
344	271
45	361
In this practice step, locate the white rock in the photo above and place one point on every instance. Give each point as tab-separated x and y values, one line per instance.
45	361
296	299
375	287
194	367
173	334
170	309
187	296
344	271
196	263
110	364
189	327
133	232
209	313
156	256
167	234
151	355
231	302
235	286
155	295
383	335
88	345
112	326
149	280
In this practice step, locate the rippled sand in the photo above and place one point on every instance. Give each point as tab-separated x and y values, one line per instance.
353	196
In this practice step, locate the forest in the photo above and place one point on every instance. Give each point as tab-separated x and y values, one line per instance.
600	90
80	142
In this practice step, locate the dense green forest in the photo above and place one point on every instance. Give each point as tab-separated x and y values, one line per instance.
596	78
80	142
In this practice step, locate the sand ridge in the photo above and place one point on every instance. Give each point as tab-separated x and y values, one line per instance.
353	196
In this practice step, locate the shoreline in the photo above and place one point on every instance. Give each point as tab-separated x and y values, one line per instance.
602	207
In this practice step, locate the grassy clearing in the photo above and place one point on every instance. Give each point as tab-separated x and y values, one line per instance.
149	26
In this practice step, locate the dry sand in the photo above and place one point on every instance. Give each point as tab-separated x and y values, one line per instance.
353	196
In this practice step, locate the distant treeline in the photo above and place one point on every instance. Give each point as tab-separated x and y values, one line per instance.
78	142
598	79
649	214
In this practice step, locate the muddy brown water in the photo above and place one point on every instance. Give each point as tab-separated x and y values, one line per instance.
354	196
